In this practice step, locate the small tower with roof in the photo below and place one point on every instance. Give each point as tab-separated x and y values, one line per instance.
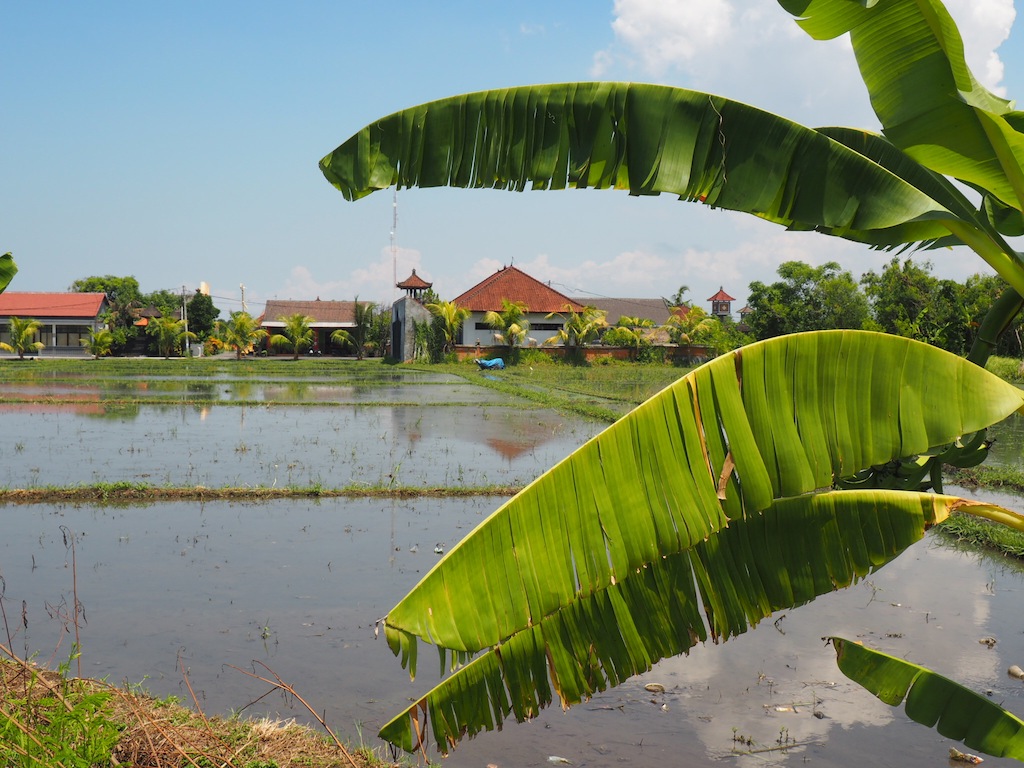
414	286
721	304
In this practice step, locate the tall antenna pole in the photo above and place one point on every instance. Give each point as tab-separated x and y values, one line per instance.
394	246
242	286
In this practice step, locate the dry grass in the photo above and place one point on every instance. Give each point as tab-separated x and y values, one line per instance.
163	734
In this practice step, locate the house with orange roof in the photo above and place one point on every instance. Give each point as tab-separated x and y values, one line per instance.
67	318
512	284
721	304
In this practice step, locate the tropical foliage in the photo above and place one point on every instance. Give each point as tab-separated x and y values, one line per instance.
806	298
8	269
549	586
242	333
23	334
510	325
357	336
296	335
450	318
691	518
578	328
99	342
169	334
933	700
202	315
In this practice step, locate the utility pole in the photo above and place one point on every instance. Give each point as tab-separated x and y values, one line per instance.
242	286
184	316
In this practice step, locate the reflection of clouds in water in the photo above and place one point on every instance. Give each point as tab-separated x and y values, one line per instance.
930	606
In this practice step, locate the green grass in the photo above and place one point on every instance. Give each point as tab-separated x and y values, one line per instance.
965	529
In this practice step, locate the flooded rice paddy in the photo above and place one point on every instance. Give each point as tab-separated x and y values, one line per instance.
298	585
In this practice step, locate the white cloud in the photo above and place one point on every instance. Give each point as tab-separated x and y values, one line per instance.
756	53
373	282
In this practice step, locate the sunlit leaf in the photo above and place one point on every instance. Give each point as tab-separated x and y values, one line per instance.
933	700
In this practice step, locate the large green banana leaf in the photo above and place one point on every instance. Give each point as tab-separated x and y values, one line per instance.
8	269
933	700
781	418
651	139
798	549
911	59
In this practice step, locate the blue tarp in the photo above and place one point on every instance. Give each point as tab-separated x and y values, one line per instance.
488	364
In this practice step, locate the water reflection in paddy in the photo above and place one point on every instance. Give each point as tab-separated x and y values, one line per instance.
64	444
298	586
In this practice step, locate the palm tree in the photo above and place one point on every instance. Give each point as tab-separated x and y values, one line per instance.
23	336
296	335
242	333
510	324
578	328
170	334
802	420
451	317
99	342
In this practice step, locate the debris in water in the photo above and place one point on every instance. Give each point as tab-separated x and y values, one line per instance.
1015	671
989	641
654	688
438	549
559	760
963	757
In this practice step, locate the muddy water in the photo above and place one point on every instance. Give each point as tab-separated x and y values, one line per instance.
64	444
297	586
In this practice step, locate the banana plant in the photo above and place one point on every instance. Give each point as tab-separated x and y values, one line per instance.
578	581
699	513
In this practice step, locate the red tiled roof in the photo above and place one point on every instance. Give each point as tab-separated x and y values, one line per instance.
413	281
36	305
721	296
325	312
513	284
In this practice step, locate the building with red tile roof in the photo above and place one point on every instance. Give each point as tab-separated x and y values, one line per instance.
67	318
328	317
721	304
512	284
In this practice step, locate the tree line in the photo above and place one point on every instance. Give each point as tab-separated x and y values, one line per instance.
904	299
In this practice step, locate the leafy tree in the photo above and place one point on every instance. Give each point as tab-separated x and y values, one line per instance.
450	318
631	332
202	315
581	583
364	315
23	333
169	334
296	336
120	291
806	299
693	327
99	342
167	302
241	333
510	325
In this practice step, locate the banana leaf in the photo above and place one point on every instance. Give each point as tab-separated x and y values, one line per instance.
650	139
8	269
932	700
911	58
797	550
779	419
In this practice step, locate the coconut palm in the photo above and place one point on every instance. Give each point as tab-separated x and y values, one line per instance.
510	325
242	332
296	335
450	317
364	314
23	332
99	342
170	334
602	593
578	328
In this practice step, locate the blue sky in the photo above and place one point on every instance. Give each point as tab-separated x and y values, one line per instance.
178	141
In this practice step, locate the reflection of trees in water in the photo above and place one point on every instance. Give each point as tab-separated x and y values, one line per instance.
115	409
